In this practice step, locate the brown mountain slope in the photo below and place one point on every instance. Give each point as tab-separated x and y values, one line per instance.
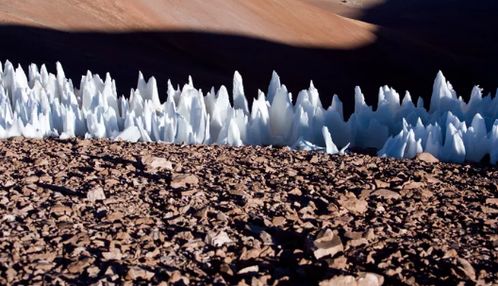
293	22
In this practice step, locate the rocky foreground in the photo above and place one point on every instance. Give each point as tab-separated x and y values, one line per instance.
83	212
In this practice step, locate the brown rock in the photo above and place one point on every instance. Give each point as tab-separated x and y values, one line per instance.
410	185
176	276
114	216
295	192
80	265
352	204
114	254
96	194
343	280
340	262
31	179
426	157
156	163
182	180
379	184
386	194
61	209
11	274
370	279
135	273
249	269
278	221
327	244
217	239
466	268
93	271
492	201
41	162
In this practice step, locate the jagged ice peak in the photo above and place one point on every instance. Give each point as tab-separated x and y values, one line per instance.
42	104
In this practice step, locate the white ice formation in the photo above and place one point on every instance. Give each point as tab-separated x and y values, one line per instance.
42	104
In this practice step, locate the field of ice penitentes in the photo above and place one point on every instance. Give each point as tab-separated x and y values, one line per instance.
42	104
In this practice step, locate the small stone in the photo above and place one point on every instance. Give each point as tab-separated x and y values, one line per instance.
61	209
295	192
278	221
357	242
31	179
114	254
370	279
492	201
41	162
340	262
182	180
96	194
225	268
114	216
11	274
426	157
354	205
9	218
466	268
381	184
249	269
327	244
80	265
411	185
93	271
156	163
343	280
176	276
386	194
217	239
84	142
135	273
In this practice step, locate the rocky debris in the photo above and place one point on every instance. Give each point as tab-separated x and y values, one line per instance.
103	213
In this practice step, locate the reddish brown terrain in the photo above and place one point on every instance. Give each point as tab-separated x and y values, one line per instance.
82	212
292	22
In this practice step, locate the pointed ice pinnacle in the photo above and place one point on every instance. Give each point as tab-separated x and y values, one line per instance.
274	85
43	104
330	147
239	98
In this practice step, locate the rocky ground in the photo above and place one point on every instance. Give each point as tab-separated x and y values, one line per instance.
83	212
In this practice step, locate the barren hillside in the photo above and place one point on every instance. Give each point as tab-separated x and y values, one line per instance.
293	22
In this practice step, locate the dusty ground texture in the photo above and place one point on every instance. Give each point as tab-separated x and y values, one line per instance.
82	212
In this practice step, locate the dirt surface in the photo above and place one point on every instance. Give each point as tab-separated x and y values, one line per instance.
82	212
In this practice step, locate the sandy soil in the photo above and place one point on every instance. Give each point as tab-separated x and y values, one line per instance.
83	212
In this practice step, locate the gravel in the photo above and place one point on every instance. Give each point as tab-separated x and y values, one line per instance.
103	213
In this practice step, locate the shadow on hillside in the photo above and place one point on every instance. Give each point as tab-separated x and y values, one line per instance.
414	43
